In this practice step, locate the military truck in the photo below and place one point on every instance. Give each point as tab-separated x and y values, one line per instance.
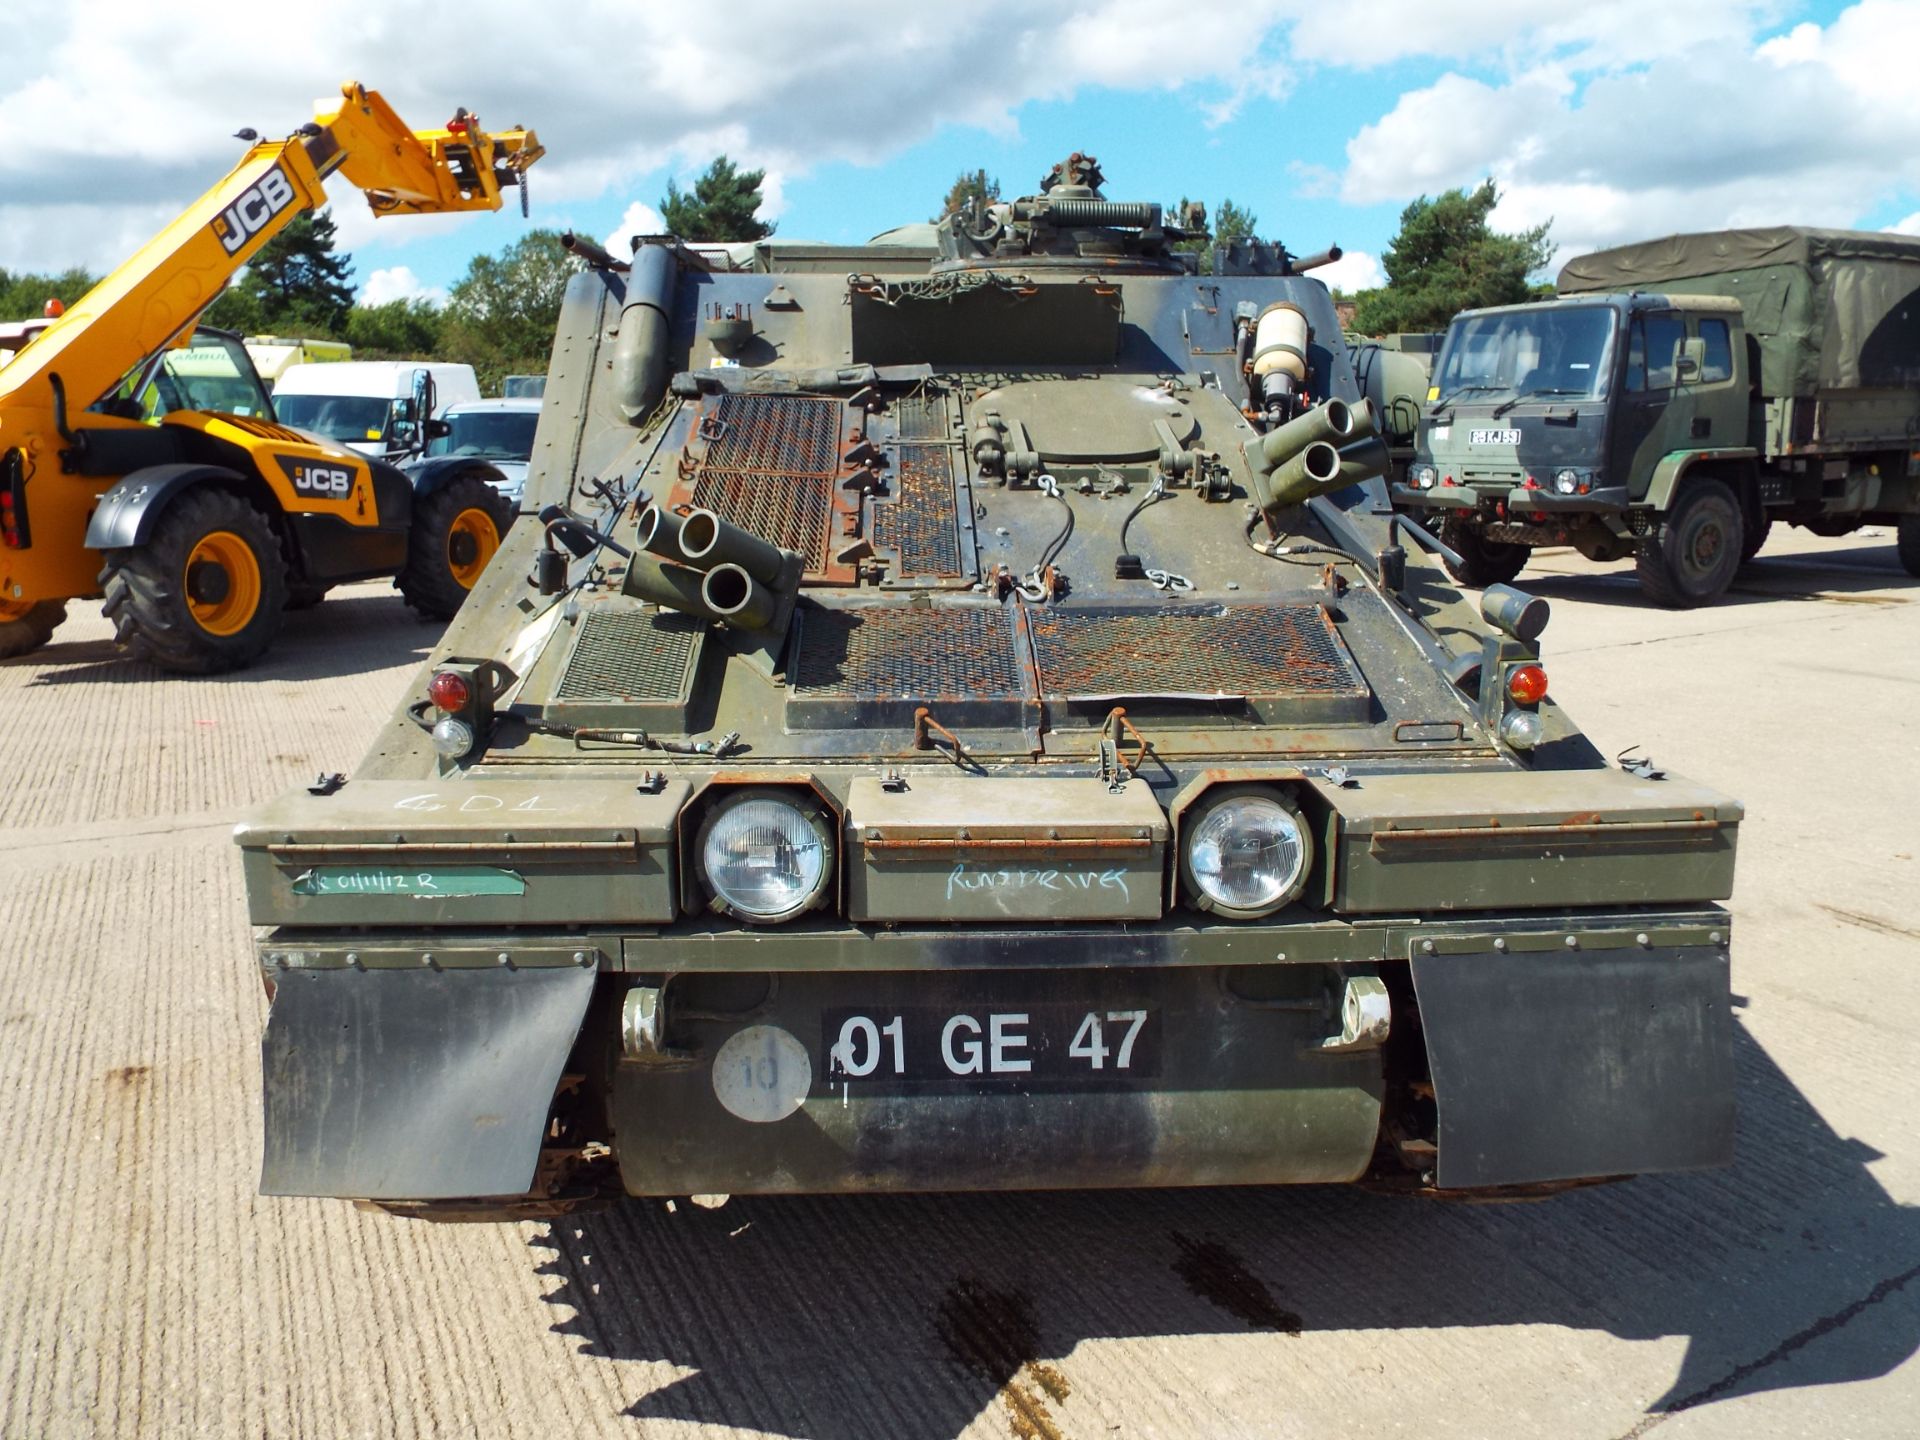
1678	398
1394	373
971	718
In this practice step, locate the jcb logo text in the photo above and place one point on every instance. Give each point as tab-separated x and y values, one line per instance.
258	203
324	480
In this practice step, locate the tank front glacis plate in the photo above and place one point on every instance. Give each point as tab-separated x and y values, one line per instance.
1008	629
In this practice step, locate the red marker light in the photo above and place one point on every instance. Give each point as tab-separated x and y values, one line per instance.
54	308
450	691
1528	684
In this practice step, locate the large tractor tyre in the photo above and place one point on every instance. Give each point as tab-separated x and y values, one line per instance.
1756	525
1909	545
26	625
1484	562
1690	559
206	592
455	532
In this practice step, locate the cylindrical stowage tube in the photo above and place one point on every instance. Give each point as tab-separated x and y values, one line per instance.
658	530
1297	263
664	583
1280	346
1521	615
588	251
1331	422
1314	471
640	353
737	598
1363	459
706	541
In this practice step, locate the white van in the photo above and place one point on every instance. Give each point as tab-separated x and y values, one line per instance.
358	402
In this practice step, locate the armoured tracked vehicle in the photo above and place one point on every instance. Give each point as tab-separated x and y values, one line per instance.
972	719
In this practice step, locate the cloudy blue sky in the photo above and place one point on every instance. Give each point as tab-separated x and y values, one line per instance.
1616	121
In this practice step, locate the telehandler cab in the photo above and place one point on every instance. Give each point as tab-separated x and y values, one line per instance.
140	459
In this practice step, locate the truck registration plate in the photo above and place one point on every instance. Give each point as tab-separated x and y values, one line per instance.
1493	437
1052	1043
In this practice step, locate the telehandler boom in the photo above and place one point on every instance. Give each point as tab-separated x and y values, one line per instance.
118	477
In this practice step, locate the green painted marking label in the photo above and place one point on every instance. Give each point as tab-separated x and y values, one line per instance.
413	882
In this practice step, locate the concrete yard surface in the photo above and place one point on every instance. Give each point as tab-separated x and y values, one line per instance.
148	1291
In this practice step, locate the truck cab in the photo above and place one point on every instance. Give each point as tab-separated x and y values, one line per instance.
1568	422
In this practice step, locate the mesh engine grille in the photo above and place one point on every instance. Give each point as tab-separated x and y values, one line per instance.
1255	650
897	653
629	655
266	429
921	522
769	467
921	417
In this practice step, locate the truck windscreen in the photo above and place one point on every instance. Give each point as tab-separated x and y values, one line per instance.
345	418
1549	351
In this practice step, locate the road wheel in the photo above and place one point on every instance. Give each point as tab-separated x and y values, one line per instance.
26	625
205	593
1755	527
1690	559
1483	562
1910	544
456	530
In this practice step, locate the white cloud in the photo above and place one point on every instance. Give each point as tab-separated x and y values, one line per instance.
1908	226
640	219
398	282
1813	127
122	99
1354	270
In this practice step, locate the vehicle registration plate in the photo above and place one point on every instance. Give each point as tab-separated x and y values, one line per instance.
1493	437
1051	1043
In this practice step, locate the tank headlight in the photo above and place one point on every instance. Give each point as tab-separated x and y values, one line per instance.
1246	855
1423	476
453	738
1566	481
765	858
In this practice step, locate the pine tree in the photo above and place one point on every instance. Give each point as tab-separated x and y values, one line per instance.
1446	258
300	284
720	206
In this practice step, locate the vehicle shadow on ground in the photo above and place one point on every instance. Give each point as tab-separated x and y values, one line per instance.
1825	577
338	637
886	1316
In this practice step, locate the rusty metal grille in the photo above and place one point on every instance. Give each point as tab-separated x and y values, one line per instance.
921	521
768	464
1255	651
774	434
907	653
793	512
922	417
630	655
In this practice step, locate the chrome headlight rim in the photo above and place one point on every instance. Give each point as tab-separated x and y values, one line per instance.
1196	895
811	812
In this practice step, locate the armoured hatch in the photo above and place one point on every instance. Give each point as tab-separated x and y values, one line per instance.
1099	419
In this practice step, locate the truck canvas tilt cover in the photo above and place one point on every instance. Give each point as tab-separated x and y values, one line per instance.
971	718
1678	398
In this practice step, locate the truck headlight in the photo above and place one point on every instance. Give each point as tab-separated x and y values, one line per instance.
765	857
1246	855
1422	476
1570	482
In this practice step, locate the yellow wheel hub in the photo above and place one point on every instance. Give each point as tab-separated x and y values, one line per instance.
12	610
223	584
472	540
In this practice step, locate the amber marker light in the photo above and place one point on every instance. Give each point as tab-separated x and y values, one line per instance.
1528	684
451	692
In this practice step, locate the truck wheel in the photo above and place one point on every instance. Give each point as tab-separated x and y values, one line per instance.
1909	544
26	625
1484	562
1690	559
1754	530
455	532
205	593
